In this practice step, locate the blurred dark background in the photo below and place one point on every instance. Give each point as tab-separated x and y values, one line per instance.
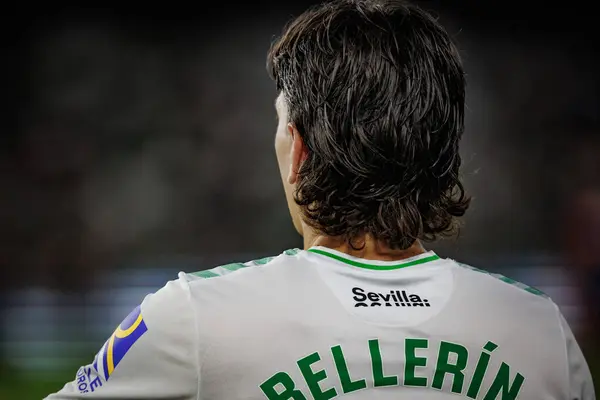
137	142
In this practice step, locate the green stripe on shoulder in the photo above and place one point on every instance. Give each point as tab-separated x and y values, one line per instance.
262	261
508	280
228	268
233	266
204	274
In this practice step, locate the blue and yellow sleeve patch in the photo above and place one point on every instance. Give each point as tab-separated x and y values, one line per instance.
114	350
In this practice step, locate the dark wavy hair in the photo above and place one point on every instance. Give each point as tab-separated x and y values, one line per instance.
376	89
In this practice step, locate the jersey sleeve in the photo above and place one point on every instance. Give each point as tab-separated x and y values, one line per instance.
581	386
151	354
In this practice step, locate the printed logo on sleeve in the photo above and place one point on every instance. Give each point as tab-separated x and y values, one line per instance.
87	380
91	377
114	350
393	298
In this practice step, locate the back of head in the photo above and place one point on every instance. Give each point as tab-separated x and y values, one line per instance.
376	89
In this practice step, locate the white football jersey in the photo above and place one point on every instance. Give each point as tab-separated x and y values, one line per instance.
319	324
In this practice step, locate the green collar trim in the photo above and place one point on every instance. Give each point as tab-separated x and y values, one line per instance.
376	267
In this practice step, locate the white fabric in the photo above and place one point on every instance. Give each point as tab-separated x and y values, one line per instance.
291	324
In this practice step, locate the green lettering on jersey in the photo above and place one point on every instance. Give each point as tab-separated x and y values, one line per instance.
480	369
412	362
452	361
348	385
288	392
502	383
313	378
379	379
444	366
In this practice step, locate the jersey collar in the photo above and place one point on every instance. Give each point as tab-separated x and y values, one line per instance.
376	265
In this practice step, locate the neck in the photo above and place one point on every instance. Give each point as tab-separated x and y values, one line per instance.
372	249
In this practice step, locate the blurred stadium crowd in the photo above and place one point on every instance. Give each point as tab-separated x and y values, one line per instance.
144	146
